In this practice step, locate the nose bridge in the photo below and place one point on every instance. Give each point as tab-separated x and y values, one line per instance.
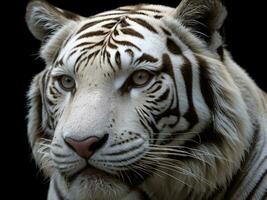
87	114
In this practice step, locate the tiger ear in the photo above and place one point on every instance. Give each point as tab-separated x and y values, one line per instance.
43	19
204	18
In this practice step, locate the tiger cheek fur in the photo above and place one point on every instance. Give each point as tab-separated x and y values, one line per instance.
142	102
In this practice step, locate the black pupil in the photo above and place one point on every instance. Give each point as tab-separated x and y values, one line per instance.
68	81
140	76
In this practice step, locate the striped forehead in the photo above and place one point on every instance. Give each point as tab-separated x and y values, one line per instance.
127	34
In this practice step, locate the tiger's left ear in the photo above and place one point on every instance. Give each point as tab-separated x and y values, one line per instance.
43	19
204	18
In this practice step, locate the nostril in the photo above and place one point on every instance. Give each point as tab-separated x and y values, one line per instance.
97	145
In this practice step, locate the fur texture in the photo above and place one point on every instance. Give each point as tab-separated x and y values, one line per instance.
194	129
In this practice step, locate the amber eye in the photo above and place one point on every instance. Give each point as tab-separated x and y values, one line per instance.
141	78
66	82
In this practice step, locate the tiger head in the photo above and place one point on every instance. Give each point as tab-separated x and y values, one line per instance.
135	97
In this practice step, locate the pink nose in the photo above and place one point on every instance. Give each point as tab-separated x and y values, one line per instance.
85	148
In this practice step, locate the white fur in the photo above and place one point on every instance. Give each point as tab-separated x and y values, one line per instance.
98	107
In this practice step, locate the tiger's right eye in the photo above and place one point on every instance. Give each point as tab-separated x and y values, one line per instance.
140	78
66	82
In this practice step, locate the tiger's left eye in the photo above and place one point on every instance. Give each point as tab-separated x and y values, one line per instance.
141	78
66	82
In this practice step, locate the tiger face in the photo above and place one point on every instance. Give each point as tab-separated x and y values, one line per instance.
131	95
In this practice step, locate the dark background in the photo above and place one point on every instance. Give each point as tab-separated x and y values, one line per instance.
244	38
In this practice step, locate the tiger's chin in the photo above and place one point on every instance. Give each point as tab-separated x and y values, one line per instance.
93	184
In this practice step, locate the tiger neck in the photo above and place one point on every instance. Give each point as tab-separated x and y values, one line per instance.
254	97
256	102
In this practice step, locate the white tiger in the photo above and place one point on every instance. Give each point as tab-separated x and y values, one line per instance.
144	102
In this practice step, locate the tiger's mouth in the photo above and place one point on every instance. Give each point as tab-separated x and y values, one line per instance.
126	177
96	184
90	172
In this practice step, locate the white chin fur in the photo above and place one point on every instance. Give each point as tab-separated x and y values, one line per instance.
96	188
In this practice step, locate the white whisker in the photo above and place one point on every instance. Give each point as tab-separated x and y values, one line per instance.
173	152
169	165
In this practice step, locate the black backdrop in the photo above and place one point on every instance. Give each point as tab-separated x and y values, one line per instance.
244	38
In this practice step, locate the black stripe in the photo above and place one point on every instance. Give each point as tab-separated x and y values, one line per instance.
167	67
131	54
80	56
142	120
148	108
59	63
112	46
132	32
152	102
158	16
91	56
101	42
90	24
72	53
146	58
173	47
144	125
190	115
118	59
166	31
109	61
109	25
126	43
92	34
155	89
155	83
83	44
145	113
123	22
144	24
163	96
151	96
66	41
56	90
79	61
138	13
153	127
77	67
206	84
